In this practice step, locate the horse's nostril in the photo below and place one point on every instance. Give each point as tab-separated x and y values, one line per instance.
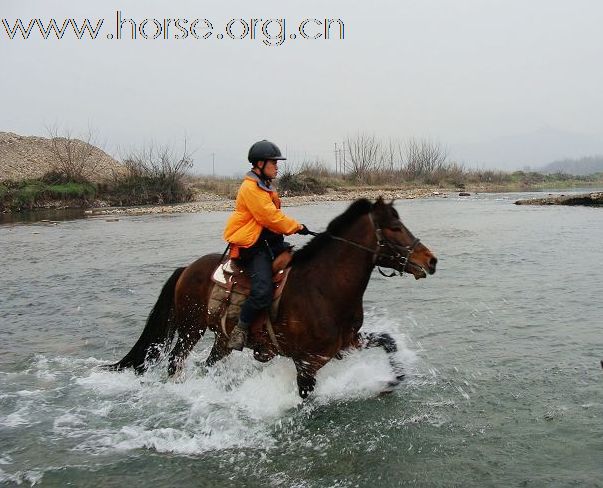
432	263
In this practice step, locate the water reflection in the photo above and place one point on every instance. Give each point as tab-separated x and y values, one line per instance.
40	215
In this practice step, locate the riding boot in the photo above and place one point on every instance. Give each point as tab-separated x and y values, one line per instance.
238	336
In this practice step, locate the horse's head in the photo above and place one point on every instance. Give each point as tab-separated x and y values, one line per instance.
398	248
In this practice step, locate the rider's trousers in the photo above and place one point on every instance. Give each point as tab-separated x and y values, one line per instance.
259	268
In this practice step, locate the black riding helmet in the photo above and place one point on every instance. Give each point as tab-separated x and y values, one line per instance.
264	150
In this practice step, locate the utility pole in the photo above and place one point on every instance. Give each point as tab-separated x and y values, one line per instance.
213	164
335	158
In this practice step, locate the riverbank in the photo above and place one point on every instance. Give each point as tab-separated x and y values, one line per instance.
594	199
208	202
211	202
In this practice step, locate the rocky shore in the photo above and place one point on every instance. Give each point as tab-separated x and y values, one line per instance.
207	202
594	199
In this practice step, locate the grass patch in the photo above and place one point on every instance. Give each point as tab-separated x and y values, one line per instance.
29	194
72	190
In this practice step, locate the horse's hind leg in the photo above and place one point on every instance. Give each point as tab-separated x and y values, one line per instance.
191	328
184	345
388	344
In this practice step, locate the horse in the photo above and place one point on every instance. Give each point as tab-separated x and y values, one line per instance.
320	312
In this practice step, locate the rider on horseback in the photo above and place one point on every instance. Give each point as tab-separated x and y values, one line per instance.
255	231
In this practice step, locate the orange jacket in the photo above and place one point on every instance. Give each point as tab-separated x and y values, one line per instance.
257	207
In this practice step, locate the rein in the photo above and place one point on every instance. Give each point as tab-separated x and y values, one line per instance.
382	243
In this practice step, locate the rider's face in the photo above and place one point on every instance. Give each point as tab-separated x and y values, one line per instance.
270	168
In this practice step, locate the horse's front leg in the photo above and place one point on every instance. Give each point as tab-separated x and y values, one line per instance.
307	367
219	350
389	345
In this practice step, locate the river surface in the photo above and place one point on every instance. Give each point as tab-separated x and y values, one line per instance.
501	346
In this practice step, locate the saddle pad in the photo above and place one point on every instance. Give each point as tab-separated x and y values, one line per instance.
231	290
223	272
228	275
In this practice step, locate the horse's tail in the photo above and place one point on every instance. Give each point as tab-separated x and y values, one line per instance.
158	332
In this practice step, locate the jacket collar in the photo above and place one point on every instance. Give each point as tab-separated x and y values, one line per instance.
264	185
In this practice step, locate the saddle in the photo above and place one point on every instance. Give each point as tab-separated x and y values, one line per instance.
231	287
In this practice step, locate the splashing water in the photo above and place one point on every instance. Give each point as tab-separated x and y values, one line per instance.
236	405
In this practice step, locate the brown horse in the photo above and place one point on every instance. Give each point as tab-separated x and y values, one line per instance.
320	312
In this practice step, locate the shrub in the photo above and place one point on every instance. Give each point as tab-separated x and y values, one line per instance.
55	177
152	176
223	186
30	194
291	184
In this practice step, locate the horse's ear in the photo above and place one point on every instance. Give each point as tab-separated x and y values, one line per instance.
379	202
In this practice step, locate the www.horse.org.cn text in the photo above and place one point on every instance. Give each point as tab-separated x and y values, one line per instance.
270	32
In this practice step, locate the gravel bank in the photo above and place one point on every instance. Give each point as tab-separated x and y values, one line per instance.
207	202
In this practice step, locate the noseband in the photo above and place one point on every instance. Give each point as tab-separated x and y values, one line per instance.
397	253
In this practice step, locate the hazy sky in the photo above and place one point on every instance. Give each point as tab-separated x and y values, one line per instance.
473	74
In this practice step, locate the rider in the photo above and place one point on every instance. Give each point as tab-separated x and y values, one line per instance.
255	231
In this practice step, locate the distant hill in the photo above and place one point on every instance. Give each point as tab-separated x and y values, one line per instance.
580	167
24	157
533	149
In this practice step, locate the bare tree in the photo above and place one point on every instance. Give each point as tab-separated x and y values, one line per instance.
390	156
156	174
72	159
423	158
159	162
363	156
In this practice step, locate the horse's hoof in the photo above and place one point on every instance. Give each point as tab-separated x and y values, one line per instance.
304	392
262	356
393	384
109	367
390	387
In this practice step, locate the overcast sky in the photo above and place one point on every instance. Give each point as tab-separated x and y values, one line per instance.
484	77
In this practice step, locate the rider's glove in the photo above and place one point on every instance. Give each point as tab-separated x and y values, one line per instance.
303	231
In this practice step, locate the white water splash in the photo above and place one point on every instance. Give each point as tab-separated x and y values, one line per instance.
239	403
32	477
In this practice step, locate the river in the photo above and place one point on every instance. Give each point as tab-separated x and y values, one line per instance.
502	348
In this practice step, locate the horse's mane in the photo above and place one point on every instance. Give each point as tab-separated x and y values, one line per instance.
336	227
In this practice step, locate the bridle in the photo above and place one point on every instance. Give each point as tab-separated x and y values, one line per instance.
398	254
